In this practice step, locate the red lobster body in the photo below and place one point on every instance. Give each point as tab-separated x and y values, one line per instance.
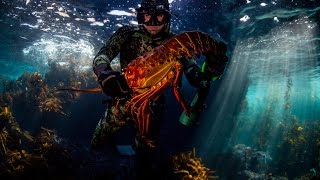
150	75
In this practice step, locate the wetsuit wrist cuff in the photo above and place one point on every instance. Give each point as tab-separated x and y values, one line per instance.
101	68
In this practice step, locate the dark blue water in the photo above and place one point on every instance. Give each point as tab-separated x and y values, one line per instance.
262	117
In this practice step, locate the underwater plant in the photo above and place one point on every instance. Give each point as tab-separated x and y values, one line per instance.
52	104
187	166
5	112
29	91
45	140
13	142
17	160
264	133
21	153
298	150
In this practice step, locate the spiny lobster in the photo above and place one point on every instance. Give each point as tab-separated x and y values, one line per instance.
151	74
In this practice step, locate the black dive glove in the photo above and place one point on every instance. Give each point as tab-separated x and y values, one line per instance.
195	77
112	82
214	66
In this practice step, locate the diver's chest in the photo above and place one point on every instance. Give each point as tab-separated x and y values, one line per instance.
140	44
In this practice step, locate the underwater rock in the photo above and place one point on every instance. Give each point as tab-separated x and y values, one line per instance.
249	175
256	161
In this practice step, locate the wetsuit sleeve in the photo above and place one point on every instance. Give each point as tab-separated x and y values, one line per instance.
216	63
213	68
110	50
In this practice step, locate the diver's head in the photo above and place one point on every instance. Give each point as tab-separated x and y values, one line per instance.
154	15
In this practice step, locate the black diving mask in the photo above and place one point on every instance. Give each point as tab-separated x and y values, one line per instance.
153	16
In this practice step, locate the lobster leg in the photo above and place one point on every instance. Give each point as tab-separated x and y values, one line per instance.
144	110
177	92
134	105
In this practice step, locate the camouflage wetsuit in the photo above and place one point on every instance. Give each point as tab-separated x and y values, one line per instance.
130	42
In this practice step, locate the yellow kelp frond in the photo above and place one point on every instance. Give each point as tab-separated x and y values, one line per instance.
187	166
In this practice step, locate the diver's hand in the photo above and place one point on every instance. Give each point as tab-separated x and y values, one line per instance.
196	77
215	65
113	83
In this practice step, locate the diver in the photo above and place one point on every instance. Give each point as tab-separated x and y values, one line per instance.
130	42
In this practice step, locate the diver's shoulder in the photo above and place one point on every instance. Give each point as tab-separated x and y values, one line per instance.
128	28
171	34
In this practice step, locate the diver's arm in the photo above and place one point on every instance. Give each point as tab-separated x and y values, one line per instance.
112	82
110	50
192	71
216	63
212	69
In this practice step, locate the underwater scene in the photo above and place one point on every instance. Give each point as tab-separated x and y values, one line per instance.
261	118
